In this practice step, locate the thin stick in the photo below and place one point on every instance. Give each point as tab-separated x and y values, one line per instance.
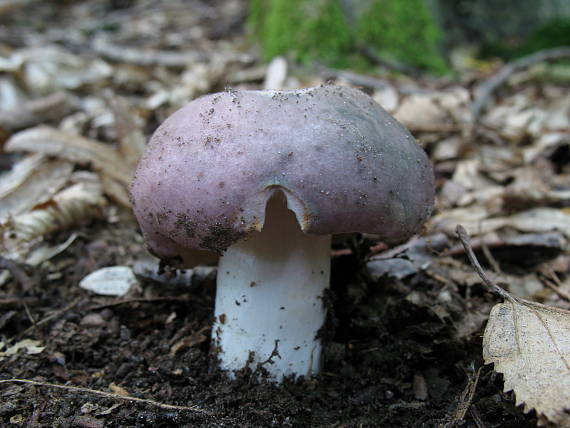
31	318
107	395
475	416
389	64
51	317
16	301
490	257
557	290
556	286
484	91
491	285
140	300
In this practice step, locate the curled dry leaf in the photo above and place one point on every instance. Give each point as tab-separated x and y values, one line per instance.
530	344
76	204
83	151
32	181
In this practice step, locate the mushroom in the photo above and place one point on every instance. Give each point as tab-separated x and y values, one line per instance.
264	179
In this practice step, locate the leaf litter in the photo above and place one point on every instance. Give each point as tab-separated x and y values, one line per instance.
79	100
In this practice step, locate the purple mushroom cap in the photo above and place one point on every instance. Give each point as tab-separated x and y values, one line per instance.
344	164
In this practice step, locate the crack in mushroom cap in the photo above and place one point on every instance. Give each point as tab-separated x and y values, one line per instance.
343	163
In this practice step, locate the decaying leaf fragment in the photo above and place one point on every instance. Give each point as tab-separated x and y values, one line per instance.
30	346
530	344
32	181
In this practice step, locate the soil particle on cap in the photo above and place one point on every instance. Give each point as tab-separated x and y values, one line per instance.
185	223
221	236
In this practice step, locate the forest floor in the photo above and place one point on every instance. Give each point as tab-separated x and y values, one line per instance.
90	81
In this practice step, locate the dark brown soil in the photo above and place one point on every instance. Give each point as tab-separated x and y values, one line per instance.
389	361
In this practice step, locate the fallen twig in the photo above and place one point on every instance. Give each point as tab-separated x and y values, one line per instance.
369	81
355	79
492	286
51	317
30	317
107	395
17	301
475	416
465	400
555	284
389	64
484	91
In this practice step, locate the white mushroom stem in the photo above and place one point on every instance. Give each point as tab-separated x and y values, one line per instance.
269	298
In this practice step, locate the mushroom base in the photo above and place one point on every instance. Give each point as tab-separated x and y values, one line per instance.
269	301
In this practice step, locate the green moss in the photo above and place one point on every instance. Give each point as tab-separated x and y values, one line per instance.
305	29
310	30
404	31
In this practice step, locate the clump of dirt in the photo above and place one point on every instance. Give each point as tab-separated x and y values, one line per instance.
390	360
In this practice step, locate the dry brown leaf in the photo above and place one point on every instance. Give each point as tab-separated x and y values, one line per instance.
130	136
11	95
77	204
435	111
117	191
32	181
74	148
542	220
388	97
198	79
52	107
530	344
145	56
48	68
477	221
